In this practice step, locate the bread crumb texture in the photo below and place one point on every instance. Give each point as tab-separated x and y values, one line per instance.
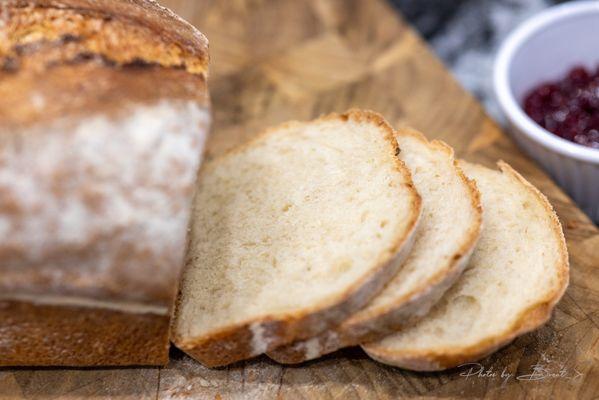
442	246
441	236
290	223
519	265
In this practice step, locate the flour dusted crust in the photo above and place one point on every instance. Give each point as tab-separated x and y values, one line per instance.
110	195
101	135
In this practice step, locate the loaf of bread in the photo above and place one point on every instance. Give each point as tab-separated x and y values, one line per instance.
103	116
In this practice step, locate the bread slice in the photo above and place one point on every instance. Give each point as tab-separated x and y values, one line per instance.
448	231
518	272
292	233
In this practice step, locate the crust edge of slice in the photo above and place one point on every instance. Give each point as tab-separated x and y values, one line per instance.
528	320
375	325
246	339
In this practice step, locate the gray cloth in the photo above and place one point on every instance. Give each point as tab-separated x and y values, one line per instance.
467	33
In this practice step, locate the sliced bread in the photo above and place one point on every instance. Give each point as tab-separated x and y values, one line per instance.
448	231
518	272
292	233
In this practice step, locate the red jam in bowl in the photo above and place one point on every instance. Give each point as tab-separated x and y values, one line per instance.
569	107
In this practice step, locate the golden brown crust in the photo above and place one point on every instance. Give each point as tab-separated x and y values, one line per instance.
234	343
49	335
122	32
528	320
380	322
75	58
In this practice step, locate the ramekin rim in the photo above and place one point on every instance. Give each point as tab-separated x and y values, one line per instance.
505	97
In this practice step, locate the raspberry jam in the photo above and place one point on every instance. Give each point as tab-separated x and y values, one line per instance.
569	107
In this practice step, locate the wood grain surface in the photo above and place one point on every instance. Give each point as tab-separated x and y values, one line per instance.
274	60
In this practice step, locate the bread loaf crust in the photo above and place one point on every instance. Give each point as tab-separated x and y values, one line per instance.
122	31
77	57
27	324
68	92
102	129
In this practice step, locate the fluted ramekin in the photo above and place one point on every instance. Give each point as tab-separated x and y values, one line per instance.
546	47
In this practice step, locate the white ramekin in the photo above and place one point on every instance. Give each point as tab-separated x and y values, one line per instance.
546	47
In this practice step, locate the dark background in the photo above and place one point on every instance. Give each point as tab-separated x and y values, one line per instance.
465	34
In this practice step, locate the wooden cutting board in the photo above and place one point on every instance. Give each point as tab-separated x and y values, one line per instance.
274	60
